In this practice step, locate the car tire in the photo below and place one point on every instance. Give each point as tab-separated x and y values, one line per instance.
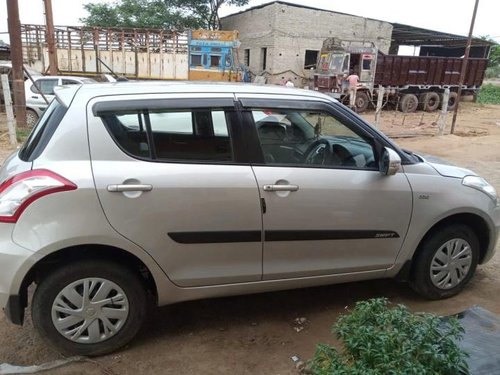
31	118
445	262
81	326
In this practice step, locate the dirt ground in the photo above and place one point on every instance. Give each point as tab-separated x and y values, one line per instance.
258	334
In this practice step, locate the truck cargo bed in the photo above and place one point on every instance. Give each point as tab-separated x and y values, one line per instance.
427	71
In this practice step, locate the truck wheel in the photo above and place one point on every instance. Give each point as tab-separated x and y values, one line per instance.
89	307
452	100
430	101
446	262
362	101
408	103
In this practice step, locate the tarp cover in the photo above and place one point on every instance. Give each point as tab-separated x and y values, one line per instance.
481	340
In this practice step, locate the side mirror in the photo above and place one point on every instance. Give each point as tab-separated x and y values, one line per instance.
390	162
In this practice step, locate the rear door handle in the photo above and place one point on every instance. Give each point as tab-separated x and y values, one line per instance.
280	188
129	187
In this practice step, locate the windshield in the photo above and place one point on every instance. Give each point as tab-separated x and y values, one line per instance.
331	62
336	63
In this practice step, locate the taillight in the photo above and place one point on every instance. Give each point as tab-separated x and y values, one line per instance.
20	191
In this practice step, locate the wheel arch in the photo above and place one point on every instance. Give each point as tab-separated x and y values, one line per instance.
73	254
478	225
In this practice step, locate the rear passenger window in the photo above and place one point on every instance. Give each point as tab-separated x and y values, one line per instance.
195	135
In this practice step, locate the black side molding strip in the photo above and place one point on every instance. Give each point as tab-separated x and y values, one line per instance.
318	235
278	235
217	237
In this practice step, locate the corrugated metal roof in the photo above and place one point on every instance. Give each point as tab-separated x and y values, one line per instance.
417	36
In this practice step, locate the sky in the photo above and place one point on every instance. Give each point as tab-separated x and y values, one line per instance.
452	16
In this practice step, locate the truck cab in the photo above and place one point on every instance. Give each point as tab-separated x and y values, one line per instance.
337	60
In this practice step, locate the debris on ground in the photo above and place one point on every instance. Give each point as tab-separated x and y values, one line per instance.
7	369
299	324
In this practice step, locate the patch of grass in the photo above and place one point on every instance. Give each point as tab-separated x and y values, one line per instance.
380	340
489	94
22	134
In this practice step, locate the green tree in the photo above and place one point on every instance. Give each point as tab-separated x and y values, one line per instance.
494	60
166	14
155	14
208	10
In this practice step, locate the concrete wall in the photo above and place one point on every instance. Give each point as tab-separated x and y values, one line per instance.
256	28
287	31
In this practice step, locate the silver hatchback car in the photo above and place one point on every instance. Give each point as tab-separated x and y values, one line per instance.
133	192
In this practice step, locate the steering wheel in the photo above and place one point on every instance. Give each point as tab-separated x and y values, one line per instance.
342	156
318	152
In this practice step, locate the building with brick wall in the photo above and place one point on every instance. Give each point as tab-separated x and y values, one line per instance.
281	41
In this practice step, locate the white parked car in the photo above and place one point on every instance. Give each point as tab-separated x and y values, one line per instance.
35	103
6	68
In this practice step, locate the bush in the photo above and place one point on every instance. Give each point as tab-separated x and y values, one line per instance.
382	340
493	72
489	94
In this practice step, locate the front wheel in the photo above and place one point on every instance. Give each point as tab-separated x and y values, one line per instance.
362	101
446	261
89	307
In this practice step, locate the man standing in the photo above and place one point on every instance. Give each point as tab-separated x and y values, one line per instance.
353	80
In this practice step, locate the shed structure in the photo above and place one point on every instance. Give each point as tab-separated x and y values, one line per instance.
281	41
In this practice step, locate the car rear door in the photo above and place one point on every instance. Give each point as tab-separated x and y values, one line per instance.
170	176
325	213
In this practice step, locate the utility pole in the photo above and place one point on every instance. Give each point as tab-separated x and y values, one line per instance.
16	56
464	67
51	44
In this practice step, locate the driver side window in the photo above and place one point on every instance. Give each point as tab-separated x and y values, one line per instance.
310	138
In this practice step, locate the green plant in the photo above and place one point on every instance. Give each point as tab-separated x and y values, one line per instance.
22	134
493	72
379	340
489	94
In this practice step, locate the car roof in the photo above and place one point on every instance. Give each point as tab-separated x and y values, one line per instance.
192	87
67	77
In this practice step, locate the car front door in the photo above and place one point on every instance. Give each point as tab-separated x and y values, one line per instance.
328	208
170	178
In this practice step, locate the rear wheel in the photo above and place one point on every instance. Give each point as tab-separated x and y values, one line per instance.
446	262
452	101
408	103
31	117
430	101
89	307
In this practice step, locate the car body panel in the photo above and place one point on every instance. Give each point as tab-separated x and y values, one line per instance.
435	201
367	215
194	199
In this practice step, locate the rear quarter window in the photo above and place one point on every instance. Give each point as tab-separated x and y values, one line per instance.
43	131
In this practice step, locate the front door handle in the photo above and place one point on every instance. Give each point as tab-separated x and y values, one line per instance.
280	188
129	187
